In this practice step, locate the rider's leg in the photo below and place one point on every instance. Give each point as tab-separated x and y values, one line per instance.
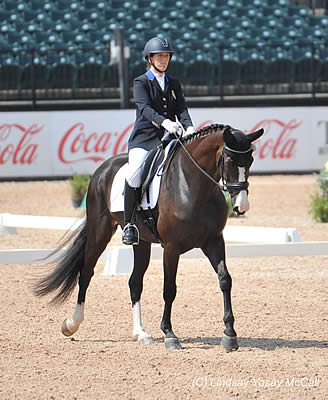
130	231
131	195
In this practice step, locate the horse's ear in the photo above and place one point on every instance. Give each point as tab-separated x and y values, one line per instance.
229	138
255	135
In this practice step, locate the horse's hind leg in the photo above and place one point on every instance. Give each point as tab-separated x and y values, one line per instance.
215	251
141	262
100	231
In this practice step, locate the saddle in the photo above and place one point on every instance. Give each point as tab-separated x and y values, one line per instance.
153	164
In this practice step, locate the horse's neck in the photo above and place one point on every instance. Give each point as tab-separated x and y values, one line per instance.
205	150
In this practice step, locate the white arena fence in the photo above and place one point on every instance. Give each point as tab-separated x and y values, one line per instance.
249	234
261	242
9	223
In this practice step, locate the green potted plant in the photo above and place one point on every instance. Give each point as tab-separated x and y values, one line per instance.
231	213
79	186
319	204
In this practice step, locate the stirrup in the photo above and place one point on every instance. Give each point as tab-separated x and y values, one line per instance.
130	234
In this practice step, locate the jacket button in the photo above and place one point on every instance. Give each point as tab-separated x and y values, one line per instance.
165	105
165	113
164	98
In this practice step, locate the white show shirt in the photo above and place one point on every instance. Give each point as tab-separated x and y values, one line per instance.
160	80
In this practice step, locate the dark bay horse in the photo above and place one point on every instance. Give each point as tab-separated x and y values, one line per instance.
191	213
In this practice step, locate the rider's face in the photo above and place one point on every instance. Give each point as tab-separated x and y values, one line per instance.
161	61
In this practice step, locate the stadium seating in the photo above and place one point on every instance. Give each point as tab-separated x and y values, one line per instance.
233	42
63	76
280	70
90	75
230	71
111	78
35	76
10	75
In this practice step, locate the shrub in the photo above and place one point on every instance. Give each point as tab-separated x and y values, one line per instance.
79	184
228	200
319	200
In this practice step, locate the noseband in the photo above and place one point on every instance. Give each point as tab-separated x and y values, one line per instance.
238	157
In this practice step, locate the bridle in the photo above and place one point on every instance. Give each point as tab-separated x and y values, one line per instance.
233	187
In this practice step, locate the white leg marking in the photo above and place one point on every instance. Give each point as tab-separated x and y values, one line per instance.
138	330
242	199
77	317
137	324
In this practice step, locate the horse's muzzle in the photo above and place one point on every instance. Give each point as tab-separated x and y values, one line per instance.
240	203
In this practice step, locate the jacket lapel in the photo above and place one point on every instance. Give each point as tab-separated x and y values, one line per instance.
155	83
167	84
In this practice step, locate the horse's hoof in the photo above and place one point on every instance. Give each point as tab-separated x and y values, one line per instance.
230	343
146	340
172	344
65	330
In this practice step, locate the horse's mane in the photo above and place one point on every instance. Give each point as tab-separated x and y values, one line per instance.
207	130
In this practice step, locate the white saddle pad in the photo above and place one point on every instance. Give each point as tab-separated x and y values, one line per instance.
117	192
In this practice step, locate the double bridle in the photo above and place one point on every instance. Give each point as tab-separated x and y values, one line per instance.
232	187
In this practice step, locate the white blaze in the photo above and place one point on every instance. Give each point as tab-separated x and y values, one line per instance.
242	198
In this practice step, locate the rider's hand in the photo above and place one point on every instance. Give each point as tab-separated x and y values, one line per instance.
189	131
170	126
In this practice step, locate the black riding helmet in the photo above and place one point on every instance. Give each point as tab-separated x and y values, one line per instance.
157	45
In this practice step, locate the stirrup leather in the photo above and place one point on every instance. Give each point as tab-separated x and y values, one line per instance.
130	234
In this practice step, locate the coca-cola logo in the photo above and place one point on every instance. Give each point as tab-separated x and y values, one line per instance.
278	141
78	145
16	145
19	144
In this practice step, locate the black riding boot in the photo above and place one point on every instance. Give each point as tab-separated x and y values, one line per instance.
130	231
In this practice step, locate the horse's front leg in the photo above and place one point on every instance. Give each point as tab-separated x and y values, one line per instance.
215	251
170	261
141	262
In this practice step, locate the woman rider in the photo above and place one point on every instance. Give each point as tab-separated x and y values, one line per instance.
159	104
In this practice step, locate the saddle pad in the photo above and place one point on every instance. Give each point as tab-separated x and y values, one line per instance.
117	192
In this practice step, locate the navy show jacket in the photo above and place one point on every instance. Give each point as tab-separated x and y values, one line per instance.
153	106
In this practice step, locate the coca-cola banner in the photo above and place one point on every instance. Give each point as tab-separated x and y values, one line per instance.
59	143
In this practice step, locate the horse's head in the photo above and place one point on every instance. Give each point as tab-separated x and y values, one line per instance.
235	161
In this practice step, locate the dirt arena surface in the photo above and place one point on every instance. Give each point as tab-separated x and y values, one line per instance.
280	307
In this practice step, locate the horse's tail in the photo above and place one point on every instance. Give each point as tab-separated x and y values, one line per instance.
68	266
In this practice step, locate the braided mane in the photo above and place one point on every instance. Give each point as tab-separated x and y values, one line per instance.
207	130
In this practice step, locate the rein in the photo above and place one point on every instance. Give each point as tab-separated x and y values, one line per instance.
226	187
196	164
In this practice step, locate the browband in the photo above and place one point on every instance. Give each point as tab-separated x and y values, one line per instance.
225	147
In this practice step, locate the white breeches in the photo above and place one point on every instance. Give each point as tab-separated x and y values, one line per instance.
137	157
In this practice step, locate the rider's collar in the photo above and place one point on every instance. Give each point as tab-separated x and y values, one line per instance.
150	74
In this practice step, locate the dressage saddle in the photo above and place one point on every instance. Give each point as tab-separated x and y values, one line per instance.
151	166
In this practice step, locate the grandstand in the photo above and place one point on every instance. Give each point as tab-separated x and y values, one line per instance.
58	50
